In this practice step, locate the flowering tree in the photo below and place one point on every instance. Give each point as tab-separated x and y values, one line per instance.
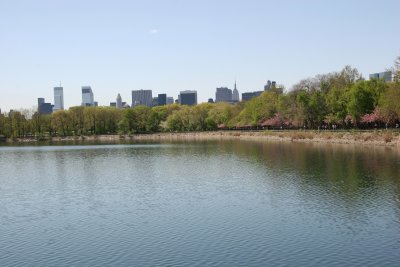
371	118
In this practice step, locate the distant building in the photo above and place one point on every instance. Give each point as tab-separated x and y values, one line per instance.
188	97
162	99
58	98
142	97
154	102
170	100
123	105
43	107
210	100
223	94
118	104
113	104
235	95
87	97
269	85
387	76
249	95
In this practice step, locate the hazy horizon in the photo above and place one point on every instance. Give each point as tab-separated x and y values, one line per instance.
120	46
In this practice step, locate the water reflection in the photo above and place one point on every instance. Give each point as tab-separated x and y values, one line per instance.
216	203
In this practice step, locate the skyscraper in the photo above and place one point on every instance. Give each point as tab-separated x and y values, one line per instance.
87	96
223	94
188	97
142	97
170	100
162	99
386	76
119	101
249	95
58	98
235	94
44	108
268	85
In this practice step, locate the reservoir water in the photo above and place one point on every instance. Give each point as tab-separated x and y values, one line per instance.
216	203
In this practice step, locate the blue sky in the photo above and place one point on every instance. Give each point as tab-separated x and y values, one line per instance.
169	46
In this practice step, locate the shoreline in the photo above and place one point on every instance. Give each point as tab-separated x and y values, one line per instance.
377	138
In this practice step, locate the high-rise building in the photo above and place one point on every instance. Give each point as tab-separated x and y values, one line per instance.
162	99
235	94
154	102
142	97
223	94
119	102
170	100
43	107
269	85
87	96
58	98
188	97
40	101
387	76
250	95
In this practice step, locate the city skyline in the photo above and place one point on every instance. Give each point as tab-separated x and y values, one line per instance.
128	45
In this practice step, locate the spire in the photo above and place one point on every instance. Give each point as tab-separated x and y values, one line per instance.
235	84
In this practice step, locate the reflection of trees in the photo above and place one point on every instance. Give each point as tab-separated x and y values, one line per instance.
347	176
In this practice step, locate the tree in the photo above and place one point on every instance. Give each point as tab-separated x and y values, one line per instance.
61	122
77	116
397	70
361	100
389	103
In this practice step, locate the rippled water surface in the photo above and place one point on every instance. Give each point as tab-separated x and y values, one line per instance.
199	204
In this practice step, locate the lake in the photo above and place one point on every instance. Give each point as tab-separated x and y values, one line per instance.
215	203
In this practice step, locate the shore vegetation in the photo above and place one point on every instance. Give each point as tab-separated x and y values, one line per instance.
338	100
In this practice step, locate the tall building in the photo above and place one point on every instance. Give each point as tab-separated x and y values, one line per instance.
387	76
58	98
269	85
119	102
188	97
154	101
142	97
87	96
235	94
250	95
162	99
223	94
43	107
170	100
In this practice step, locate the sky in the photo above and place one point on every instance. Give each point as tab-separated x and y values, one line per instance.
169	46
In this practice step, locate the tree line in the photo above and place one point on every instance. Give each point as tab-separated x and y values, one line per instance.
341	99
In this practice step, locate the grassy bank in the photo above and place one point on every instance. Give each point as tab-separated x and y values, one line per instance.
381	138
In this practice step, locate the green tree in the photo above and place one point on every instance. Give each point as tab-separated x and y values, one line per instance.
361	100
61	122
389	103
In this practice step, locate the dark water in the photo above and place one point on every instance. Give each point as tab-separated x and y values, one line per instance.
199	204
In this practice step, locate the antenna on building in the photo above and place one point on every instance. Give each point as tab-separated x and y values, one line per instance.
60	83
